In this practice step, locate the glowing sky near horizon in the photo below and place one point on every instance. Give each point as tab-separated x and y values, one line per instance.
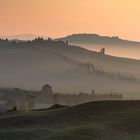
58	18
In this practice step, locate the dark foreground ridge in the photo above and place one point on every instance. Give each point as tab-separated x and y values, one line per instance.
103	120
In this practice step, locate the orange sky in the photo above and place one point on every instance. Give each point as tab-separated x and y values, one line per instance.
57	18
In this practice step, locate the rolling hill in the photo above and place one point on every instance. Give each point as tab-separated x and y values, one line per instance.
114	45
116	120
97	39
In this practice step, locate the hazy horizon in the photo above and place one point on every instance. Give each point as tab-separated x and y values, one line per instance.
60	18
45	36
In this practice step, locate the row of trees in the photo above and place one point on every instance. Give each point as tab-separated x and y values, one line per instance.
74	99
110	75
26	100
37	42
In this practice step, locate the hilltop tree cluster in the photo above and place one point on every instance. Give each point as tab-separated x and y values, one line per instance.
37	42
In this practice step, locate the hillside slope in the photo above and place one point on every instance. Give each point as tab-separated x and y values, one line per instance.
116	120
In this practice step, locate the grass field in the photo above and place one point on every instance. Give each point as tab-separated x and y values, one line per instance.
104	120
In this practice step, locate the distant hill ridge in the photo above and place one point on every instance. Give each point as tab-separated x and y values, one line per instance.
97	39
79	38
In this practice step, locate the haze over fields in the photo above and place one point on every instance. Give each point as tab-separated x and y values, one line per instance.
68	69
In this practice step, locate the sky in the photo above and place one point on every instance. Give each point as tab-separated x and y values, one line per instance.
57	18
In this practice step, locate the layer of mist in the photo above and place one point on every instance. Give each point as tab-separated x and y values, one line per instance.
68	70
